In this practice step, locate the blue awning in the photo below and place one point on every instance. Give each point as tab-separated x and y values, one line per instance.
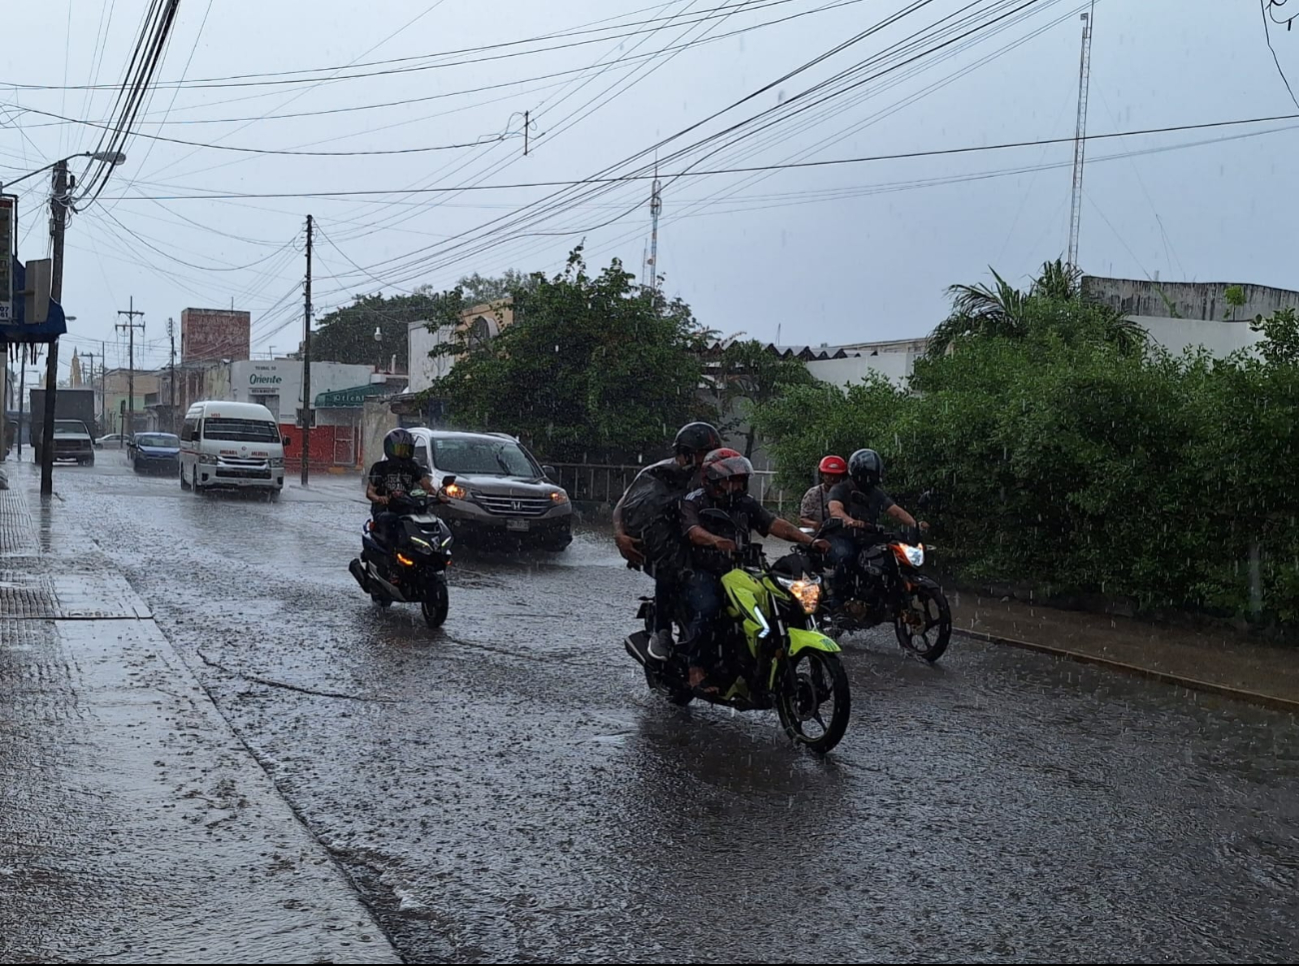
18	331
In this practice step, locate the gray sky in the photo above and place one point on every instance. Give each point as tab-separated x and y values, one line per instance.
829	254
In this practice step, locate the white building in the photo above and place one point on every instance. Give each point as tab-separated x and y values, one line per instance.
277	385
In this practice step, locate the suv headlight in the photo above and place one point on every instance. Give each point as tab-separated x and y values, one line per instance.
559	496
457	492
805	590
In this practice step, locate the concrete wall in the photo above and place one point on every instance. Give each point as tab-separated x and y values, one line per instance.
894	366
424	370
1202	301
377	419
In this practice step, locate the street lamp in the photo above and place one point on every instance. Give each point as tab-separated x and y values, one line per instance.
113	158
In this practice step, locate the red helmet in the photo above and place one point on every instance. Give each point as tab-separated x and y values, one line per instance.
835	465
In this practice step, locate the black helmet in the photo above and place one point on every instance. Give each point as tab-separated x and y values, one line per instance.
399	445
866	468
697	438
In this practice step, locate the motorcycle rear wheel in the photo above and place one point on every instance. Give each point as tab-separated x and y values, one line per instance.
817	676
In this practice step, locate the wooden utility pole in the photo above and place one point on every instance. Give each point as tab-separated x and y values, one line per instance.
58	222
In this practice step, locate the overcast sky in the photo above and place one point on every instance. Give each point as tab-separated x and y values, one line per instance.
834	253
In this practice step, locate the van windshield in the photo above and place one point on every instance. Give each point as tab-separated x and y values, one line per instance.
241	430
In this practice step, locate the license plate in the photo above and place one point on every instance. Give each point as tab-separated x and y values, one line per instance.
517	524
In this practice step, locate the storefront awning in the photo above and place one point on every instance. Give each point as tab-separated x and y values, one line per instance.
353	398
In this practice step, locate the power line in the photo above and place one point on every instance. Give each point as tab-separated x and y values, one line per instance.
865	159
283	78
1269	5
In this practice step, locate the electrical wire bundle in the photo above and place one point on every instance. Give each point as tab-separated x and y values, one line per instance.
131	97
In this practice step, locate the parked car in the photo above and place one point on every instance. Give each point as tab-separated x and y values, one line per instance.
154	453
501	493
72	441
113	441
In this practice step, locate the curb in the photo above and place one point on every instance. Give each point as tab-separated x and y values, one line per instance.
1195	684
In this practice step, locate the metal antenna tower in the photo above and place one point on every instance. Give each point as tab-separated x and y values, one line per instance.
1080	136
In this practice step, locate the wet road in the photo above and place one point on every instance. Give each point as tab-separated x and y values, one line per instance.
507	790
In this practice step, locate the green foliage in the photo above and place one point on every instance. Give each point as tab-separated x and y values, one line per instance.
347	334
594	367
1069	462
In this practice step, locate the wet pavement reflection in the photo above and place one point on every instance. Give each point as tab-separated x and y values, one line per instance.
507	790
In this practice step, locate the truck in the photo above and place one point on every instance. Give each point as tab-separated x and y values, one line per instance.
76	404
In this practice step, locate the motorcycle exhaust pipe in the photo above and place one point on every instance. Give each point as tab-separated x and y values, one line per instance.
358	572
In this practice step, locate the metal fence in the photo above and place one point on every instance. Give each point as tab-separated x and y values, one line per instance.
603	485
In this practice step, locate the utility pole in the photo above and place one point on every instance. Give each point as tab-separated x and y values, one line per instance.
103	382
130	325
58	222
306	360
1080	135
171	334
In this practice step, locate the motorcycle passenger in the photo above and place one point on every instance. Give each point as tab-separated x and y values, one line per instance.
649	509
860	501
397	474
815	509
726	487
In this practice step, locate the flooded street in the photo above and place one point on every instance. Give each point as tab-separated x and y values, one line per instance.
507	789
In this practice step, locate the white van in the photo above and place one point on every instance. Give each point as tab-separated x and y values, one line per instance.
231	444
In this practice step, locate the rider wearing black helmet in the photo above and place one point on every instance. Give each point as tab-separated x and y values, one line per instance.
645	522
397	474
859	501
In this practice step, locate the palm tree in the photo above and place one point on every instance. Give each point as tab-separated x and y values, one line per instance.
1006	312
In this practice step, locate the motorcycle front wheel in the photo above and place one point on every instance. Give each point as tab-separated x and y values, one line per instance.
437	602
924	625
817	679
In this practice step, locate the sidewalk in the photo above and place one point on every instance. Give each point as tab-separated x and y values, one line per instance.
134	825
1220	663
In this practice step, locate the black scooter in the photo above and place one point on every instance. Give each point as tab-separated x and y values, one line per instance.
414	571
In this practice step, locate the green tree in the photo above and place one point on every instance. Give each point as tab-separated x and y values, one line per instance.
594	367
477	289
749	376
347	334
1055	300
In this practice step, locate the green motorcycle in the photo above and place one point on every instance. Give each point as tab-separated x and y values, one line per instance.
767	650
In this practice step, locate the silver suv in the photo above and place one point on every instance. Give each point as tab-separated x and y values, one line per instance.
501	494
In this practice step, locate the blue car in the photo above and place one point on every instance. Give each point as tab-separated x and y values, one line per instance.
155	453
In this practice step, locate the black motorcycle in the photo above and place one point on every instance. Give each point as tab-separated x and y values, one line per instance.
887	586
413	571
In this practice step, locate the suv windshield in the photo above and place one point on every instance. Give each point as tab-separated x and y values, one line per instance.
241	430
483	457
70	426
160	440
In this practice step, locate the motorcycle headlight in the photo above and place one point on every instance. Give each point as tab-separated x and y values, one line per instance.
805	590
915	555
